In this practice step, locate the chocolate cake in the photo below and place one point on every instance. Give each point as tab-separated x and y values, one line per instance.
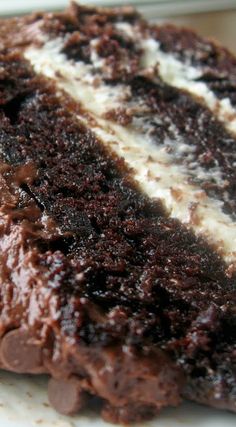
118	211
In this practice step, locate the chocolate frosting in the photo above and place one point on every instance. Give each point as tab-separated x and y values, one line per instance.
100	289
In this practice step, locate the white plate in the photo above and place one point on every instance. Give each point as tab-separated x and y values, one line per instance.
151	8
23	403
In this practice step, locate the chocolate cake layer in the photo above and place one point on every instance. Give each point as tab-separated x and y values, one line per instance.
117	218
130	90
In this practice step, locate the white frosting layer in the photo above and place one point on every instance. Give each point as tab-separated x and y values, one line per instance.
155	169
181	75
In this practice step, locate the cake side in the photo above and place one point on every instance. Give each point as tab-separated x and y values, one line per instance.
99	282
118	79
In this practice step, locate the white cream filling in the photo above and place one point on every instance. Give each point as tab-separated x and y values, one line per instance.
180	75
154	167
183	76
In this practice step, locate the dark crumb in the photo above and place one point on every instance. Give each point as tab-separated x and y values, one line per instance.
101	289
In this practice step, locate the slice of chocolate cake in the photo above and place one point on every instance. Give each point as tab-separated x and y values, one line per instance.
118	211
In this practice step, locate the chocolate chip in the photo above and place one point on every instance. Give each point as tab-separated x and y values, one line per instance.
66	395
19	353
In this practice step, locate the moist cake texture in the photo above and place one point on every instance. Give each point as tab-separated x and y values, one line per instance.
117	214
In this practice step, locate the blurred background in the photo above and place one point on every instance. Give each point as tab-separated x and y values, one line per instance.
211	18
